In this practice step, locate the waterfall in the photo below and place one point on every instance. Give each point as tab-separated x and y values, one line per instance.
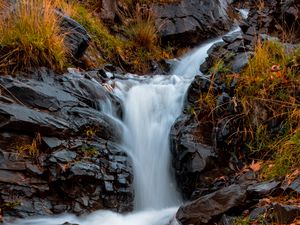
150	110
151	106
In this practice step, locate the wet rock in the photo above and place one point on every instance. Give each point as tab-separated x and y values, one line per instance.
205	209
195	20
197	160
285	214
233	52
264	188
230	38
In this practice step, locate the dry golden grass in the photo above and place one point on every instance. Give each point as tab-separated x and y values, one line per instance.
143	31
31	37
30	150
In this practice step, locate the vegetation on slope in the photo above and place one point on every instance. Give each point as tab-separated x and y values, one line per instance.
32	37
268	95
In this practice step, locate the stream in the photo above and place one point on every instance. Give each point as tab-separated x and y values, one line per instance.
151	106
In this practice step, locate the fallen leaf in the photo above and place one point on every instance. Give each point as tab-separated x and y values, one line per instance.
255	166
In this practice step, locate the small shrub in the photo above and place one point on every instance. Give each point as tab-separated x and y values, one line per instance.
90	132
143	31
31	37
30	150
89	151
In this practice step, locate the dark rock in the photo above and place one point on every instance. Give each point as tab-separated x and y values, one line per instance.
77	38
34	169
52	142
232	37
264	188
247	178
290	14
294	187
63	156
285	214
240	61
38	94
85	169
18	117
233	55
226	220
256	213
205	209
192	20
69	169
197	160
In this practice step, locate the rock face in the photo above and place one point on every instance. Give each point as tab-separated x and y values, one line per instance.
198	137
204	209
245	197
195	20
232	55
276	18
58	151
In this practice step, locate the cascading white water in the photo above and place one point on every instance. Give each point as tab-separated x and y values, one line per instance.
150	111
152	105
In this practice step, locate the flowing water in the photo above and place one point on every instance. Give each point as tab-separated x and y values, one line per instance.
151	105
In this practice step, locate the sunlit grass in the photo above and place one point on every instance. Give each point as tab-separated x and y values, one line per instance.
31	37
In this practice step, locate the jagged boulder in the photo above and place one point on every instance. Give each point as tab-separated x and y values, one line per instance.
198	139
205	209
195	21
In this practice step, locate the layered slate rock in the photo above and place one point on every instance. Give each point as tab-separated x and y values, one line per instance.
243	195
194	21
58	151
232	54
205	209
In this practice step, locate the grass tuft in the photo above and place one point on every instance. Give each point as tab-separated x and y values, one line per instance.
31	37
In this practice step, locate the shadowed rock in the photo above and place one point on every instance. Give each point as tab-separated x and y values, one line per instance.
195	20
207	208
58	152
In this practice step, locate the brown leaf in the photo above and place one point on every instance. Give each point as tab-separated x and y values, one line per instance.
255	166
